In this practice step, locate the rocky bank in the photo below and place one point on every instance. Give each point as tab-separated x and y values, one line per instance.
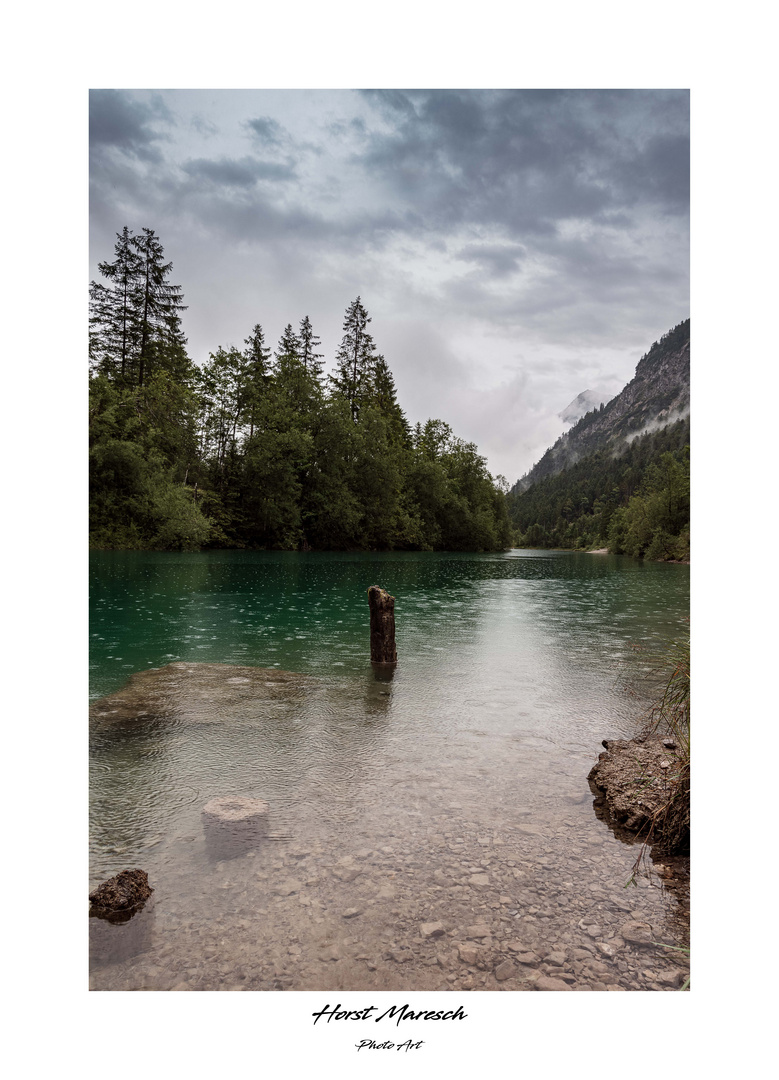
642	787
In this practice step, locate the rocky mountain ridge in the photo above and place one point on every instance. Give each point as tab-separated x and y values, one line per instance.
657	395
582	404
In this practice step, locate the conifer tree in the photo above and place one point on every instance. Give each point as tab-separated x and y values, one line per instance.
114	339
355	358
161	338
384	396
296	384
134	322
257	375
312	360
257	354
102	358
289	347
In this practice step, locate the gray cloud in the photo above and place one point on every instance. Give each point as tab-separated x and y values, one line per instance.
232	172
500	260
267	130
204	127
660	173
121	122
513	247
527	159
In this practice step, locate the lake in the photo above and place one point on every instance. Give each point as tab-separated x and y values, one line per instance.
451	794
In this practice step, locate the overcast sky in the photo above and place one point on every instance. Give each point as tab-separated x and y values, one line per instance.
513	248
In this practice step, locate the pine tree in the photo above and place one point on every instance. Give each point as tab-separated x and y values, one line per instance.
289	347
257	354
312	360
114	339
355	358
297	385
434	439
161	338
102	359
384	395
257	375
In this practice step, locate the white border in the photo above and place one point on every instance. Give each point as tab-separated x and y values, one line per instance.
59	52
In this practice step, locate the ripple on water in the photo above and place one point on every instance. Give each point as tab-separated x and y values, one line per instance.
385	797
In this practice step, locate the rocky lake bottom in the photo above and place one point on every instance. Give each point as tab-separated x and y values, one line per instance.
486	872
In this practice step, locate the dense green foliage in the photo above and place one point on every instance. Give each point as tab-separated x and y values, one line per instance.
258	448
635	503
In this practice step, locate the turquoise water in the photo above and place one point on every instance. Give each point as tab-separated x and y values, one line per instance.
308	612
512	669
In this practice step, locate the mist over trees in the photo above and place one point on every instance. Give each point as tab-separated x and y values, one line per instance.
620	478
635	503
259	448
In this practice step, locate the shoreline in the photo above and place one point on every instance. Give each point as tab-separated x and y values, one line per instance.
635	784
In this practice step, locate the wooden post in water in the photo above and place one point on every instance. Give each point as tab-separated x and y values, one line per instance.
382	607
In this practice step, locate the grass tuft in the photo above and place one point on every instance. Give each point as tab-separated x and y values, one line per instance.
671	716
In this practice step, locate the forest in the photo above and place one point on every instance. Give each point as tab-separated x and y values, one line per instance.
635	503
259	448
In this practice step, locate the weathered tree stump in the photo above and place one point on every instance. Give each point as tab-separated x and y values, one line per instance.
233	824
382	607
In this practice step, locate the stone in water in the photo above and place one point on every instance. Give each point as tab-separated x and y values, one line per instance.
233	824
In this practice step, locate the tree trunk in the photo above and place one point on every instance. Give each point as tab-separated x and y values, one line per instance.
382	607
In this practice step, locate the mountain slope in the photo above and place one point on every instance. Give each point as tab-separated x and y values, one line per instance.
582	404
657	395
621	476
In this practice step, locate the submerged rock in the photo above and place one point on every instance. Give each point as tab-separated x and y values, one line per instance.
505	971
233	825
121	896
546	983
121	918
637	933
195	693
234	812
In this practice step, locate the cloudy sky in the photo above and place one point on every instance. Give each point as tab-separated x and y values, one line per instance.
513	248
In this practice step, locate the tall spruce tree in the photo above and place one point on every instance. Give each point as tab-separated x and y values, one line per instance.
289	348
257	375
355	358
102	358
384	396
312	360
114	339
295	383
161	338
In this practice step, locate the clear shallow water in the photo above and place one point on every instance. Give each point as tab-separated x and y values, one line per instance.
386	795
